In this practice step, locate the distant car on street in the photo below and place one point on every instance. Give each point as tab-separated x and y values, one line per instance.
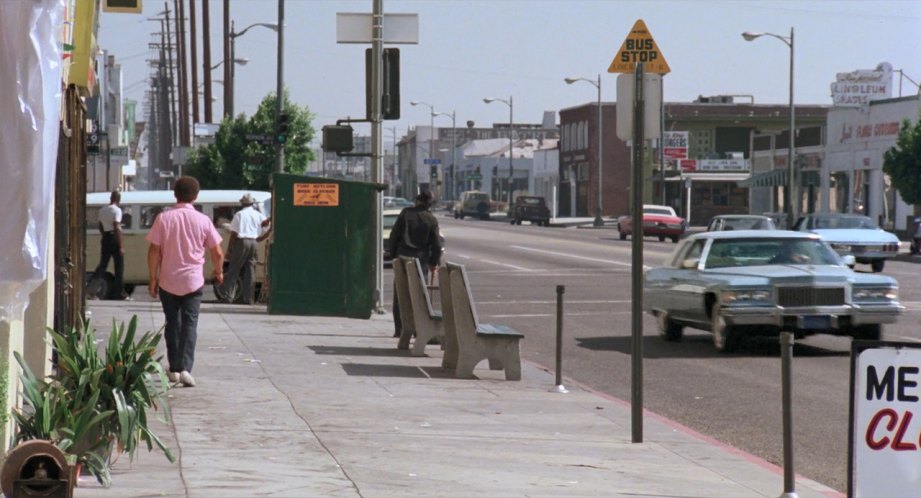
852	234
746	283
472	203
389	218
658	221
740	222
396	202
530	208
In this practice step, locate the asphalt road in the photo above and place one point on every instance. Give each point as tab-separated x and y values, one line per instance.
734	398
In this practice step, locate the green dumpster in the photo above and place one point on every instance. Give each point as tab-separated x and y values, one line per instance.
322	258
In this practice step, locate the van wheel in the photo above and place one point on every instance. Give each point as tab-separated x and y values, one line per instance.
877	265
661	238
675	239
623	235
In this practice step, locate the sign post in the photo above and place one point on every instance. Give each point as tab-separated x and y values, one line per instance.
638	54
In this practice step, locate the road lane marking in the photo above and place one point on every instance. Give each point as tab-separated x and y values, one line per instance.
520	268
572	256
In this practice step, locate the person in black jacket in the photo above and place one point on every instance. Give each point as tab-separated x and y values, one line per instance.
416	235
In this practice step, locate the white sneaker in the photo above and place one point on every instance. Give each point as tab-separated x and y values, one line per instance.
173	377
186	379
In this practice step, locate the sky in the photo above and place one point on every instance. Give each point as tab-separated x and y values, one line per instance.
472	49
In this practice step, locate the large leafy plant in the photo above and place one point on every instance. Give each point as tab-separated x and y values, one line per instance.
94	401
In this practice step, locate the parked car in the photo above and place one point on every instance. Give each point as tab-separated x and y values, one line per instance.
389	218
740	222
530	208
660	221
472	203
746	283
396	202
852	234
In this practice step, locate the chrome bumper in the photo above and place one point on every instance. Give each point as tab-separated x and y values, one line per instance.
838	316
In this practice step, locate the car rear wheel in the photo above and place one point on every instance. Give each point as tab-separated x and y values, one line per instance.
623	235
668	330
724	337
675	238
661	238
877	265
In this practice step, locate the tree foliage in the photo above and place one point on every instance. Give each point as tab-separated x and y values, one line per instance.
903	163
235	162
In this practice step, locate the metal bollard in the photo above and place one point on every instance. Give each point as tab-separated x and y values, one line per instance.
559	387
786	374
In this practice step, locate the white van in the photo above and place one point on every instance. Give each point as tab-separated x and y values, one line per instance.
139	210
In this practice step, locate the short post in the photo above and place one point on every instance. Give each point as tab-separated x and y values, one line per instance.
559	387
786	366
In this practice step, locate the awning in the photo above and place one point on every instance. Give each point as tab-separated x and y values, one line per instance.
778	178
709	177
773	178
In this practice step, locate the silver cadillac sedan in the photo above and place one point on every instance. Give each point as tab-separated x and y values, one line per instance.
746	283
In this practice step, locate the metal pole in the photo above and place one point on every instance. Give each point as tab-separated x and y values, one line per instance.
559	388
511	146
377	145
229	86
636	356
280	86
228	59
598	221
453	188
432	179
789	477
791	169
662	142
206	57
194	61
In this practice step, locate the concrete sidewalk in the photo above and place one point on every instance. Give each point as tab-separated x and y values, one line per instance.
328	407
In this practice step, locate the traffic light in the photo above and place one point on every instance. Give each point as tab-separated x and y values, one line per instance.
434	172
281	128
495	171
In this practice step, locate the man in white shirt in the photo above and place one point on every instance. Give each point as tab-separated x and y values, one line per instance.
110	226
246	231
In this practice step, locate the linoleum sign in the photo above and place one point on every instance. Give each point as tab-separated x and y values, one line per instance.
863	85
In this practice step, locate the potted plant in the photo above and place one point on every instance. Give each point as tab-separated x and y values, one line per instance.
131	383
69	419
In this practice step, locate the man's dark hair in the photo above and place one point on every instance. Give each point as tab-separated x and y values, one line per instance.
425	199
116	196
186	189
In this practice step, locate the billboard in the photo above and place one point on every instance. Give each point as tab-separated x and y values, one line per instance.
859	87
675	144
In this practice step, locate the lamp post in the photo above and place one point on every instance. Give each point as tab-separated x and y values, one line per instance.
511	144
228	93
451	186
431	153
598	221
791	198
241	61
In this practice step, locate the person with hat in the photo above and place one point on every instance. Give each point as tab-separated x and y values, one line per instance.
415	234
245	234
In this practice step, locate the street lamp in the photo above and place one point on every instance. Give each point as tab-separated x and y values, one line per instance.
511	144
431	153
791	171
451	186
598	221
228	95
241	61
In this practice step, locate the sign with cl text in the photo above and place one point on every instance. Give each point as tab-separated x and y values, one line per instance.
885	420
316	194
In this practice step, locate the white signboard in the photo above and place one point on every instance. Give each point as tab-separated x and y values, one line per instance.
355	27
859	87
722	165
886	421
652	97
675	144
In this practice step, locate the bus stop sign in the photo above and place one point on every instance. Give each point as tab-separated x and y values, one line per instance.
639	47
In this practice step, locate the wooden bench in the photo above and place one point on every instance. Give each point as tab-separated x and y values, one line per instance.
415	307
477	341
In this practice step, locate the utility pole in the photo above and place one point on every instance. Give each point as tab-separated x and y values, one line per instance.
183	75
206	57
172	80
194	62
228	62
280	87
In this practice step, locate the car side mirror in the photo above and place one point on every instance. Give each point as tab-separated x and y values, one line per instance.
849	260
690	263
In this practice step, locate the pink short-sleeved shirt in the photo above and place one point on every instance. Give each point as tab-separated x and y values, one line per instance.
184	235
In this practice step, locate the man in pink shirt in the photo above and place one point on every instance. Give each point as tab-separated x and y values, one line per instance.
176	258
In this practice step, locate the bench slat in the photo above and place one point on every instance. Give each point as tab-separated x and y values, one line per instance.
489	329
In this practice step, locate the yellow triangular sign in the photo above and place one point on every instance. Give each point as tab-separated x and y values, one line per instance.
639	47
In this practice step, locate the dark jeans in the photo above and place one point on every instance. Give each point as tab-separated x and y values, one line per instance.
109	250
181	328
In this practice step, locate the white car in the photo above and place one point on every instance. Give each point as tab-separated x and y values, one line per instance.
852	234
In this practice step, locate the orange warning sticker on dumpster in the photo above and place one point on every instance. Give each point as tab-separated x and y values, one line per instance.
316	194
